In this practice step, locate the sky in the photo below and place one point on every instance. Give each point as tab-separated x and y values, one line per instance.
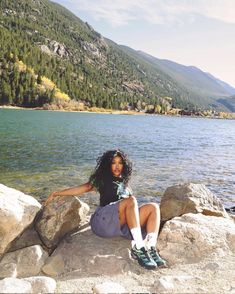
190	32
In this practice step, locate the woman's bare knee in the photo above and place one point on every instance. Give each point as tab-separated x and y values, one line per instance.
150	207
154	207
132	201
128	202
125	204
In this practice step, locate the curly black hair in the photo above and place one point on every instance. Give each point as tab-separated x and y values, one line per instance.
102	171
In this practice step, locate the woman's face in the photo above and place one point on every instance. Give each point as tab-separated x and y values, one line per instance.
117	166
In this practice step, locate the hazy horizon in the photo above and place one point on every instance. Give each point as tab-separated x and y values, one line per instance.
193	33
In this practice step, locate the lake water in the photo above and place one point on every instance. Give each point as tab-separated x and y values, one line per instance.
42	151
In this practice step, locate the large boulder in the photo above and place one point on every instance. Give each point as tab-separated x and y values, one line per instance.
28	238
28	285
84	252
195	198
23	263
193	237
41	284
59	217
17	212
13	285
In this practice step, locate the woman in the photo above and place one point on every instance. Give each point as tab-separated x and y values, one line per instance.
118	213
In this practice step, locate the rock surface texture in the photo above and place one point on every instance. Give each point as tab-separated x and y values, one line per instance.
13	285
28	285
193	237
41	284
24	262
17	212
85	252
28	238
60	217
109	287
198	245
196	198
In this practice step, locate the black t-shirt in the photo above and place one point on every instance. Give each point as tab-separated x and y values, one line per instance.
113	190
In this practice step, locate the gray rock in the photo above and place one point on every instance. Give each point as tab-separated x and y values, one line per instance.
173	284
92	48
165	284
45	49
212	266
59	49
13	285
195	198
23	263
42	284
85	252
17	212
60	217
54	266
109	287
55	48
29	237
232	217
193	237
37	284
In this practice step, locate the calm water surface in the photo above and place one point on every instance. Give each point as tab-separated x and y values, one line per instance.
42	151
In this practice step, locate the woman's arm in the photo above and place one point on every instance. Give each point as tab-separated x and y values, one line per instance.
75	191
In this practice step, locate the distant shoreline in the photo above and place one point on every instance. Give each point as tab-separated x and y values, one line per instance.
117	112
14	107
132	112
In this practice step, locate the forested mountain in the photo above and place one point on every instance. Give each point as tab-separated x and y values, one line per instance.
48	54
203	87
229	89
228	102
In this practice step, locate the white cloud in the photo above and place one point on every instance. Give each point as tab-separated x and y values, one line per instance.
120	12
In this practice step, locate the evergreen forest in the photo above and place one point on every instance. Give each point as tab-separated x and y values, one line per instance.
48	55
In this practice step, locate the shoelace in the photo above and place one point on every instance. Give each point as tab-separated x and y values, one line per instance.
144	254
154	254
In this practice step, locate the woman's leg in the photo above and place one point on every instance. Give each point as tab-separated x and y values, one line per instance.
150	220
149	215
129	214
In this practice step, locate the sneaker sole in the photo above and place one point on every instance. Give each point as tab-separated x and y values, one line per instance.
163	266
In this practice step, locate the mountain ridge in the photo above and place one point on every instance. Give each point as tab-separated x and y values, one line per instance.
194	75
85	65
224	84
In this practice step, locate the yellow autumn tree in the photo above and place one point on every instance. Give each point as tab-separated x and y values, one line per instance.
47	83
21	66
158	108
31	71
61	96
167	98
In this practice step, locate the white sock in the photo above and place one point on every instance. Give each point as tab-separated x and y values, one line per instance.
151	240
137	237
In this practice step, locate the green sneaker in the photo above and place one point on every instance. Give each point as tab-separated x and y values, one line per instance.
143	257
155	256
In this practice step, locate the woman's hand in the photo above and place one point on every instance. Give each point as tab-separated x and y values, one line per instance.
51	197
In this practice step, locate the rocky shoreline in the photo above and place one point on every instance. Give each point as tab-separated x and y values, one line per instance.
52	249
